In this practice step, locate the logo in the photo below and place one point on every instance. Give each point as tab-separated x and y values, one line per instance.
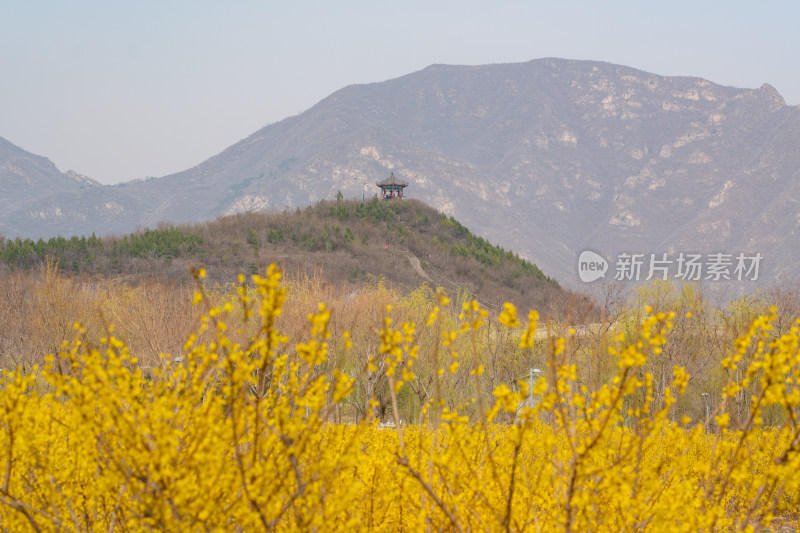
687	266
591	266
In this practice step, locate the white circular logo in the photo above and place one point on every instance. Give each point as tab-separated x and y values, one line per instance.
591	266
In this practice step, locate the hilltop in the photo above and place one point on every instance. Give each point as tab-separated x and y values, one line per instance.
402	243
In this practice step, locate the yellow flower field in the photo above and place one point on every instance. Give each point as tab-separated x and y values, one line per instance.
245	431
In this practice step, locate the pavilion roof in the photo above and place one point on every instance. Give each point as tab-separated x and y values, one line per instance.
392	181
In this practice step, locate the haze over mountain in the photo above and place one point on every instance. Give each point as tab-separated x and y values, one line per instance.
546	158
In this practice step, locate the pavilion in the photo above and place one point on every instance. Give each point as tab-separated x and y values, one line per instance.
391	187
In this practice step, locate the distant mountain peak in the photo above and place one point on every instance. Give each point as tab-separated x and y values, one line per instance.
769	92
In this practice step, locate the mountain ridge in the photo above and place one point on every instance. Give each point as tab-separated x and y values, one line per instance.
546	157
33	176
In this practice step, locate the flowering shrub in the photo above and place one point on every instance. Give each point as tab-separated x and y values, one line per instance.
239	433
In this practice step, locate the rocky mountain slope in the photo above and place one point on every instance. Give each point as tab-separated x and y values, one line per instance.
547	158
25	177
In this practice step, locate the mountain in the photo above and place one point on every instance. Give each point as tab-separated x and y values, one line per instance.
547	158
25	177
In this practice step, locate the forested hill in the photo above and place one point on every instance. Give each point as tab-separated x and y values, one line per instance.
403	243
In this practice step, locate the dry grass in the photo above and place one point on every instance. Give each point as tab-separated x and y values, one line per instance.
153	317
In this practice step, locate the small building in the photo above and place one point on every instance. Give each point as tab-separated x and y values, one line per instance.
391	187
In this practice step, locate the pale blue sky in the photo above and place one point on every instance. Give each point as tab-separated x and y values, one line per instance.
123	90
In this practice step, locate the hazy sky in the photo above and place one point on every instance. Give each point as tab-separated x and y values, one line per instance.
124	90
